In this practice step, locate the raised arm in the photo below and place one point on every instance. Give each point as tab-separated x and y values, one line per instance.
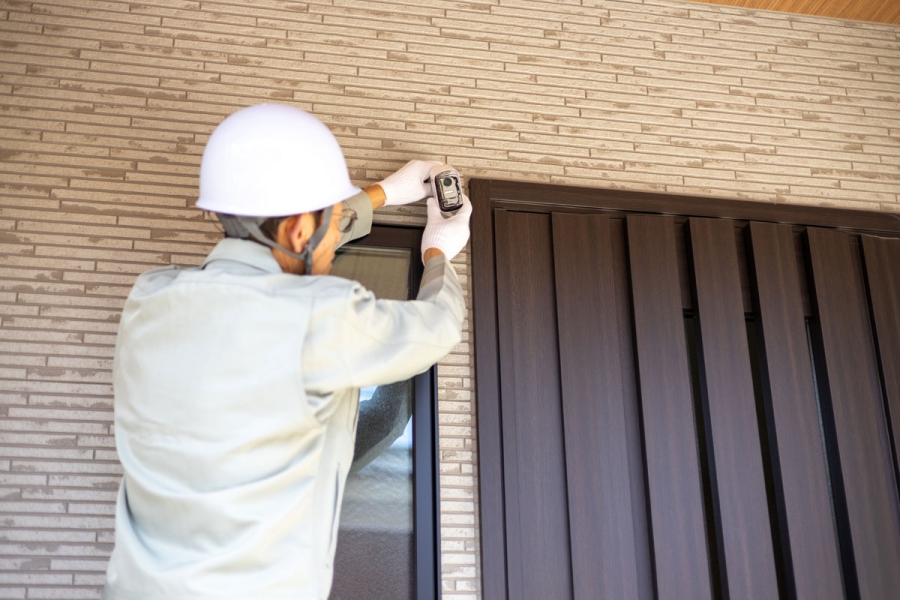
357	340
408	184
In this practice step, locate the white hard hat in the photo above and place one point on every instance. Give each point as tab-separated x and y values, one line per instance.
272	160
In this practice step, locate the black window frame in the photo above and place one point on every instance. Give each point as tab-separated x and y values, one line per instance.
426	468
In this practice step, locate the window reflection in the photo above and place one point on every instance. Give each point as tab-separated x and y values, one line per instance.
374	557
384	422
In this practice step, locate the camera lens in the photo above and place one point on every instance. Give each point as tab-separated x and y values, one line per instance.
448	182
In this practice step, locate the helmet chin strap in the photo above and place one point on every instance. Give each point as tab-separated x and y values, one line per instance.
248	227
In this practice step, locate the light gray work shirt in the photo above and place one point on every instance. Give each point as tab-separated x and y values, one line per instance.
236	397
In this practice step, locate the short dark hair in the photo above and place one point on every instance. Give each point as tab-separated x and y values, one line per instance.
269	227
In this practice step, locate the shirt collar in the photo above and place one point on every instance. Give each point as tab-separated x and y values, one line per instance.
245	252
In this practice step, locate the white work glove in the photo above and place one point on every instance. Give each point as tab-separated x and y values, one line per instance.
447	234
409	184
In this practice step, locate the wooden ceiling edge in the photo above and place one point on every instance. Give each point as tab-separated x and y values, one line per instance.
866	11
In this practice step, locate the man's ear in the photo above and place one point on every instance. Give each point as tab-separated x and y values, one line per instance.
295	231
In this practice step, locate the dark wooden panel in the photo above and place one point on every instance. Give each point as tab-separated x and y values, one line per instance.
542	197
806	528
600	504
670	436
640	502
508	426
866	494
487	381
743	533
882	263
533	447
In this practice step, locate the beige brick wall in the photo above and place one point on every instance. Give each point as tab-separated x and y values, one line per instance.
105	107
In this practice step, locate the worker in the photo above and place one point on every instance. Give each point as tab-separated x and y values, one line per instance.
237	383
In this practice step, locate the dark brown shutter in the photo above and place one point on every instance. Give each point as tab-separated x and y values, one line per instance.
685	406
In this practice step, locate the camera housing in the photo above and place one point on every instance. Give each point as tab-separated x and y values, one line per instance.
446	187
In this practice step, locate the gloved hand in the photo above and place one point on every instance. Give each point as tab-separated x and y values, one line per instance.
409	184
449	235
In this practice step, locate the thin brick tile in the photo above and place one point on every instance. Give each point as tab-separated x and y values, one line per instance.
41	109
19	479
35	578
33	507
28	59
75	402
51	549
19	360
12	535
208	39
27	34
70	18
31	452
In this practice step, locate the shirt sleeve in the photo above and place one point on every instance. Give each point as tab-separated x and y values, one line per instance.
362	204
374	342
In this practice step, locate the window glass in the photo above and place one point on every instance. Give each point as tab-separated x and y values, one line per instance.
384	271
375	549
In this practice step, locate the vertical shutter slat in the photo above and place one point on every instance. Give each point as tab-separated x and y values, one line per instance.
534	454
599	490
670	436
743	530
866	497
807	534
487	364
507	410
625	324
